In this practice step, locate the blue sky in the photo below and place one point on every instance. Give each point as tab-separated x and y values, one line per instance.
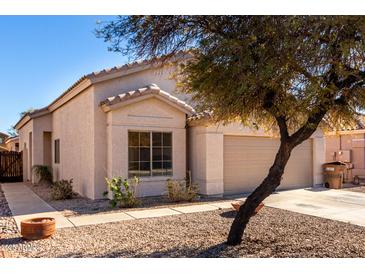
41	56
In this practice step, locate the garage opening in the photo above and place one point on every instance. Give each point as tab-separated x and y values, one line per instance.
247	161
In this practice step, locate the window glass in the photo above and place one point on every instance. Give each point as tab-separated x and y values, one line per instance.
133	154
144	154
157	154
157	139
167	139
57	151
144	139
167	154
133	139
143	145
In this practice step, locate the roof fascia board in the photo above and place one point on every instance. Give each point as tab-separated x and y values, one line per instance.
22	122
11	139
346	132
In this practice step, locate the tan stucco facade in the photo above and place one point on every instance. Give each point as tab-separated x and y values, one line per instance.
86	135
93	135
73	126
31	142
151	115
206	155
113	87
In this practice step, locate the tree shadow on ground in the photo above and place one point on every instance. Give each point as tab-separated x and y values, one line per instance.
229	214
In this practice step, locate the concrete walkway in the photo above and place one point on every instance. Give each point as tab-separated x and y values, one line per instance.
146	213
338	205
25	204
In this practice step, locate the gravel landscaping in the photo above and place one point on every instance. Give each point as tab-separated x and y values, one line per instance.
81	205
7	223
271	233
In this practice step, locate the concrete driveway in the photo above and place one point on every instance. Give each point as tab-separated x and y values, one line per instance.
339	205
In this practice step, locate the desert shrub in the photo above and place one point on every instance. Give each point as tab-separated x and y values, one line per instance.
179	191
123	192
43	173
62	190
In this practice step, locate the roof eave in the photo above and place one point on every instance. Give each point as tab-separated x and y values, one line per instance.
345	132
11	139
107	107
29	116
22	122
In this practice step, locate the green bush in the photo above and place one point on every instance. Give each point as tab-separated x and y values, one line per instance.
123	192
179	191
62	190
43	173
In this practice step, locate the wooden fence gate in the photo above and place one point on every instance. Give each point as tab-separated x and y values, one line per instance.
11	166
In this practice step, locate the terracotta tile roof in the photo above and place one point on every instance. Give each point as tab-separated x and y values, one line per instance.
145	91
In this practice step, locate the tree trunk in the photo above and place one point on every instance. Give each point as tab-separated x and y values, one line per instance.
267	187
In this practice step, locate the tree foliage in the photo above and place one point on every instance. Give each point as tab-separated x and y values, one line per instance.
257	67
290	73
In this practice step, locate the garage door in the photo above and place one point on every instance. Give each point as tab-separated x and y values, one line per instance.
247	161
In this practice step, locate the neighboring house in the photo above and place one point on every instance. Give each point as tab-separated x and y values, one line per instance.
130	120
3	137
348	145
12	143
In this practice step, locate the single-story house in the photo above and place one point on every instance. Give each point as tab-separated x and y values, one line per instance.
130	120
12	143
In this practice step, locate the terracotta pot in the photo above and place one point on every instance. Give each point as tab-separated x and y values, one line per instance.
237	205
37	228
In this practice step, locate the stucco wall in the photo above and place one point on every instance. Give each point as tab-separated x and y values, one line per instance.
25	146
32	144
73	124
148	115
206	154
103	90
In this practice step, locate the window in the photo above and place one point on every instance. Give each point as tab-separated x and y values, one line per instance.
57	151
149	154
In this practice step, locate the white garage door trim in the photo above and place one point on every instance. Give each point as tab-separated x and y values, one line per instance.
247	161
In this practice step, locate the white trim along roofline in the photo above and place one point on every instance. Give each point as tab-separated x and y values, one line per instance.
150	91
